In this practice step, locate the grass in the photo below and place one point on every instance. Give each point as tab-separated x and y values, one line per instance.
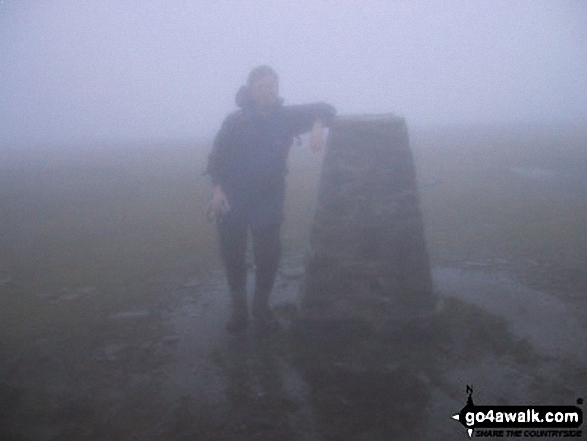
115	218
481	208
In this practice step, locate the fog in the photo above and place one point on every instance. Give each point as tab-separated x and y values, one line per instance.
113	295
75	71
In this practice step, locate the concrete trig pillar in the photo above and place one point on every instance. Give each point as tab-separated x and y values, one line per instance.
368	257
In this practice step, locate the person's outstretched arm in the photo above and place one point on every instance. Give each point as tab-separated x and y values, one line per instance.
303	117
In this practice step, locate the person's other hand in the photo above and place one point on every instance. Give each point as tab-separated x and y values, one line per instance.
317	136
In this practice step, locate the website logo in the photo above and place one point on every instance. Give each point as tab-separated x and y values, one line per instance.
517	421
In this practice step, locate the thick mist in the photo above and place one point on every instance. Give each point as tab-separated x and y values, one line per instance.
101	71
113	296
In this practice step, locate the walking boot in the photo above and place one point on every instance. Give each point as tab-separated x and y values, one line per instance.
260	309
239	316
264	319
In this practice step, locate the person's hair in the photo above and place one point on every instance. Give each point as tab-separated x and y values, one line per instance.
260	72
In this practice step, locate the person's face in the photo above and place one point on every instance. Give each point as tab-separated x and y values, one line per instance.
265	90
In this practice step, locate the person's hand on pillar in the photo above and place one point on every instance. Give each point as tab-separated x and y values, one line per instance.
317	136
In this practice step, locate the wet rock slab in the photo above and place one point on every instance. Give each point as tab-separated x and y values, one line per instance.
175	374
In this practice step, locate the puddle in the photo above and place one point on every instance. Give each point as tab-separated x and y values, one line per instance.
533	173
537	316
570	185
256	388
172	372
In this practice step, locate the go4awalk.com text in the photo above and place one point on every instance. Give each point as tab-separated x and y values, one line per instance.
521	421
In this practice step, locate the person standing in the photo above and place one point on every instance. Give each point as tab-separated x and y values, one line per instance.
247	166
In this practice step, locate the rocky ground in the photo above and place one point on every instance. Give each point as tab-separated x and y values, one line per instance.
170	371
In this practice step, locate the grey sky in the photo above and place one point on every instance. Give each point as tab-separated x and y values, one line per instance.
74	70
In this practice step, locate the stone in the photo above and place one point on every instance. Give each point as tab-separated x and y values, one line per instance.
368	257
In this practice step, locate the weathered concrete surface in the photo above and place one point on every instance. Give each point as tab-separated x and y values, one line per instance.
173	373
368	256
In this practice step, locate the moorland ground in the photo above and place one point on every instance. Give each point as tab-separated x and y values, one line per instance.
91	233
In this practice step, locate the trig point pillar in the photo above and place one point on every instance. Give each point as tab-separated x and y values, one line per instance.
368	257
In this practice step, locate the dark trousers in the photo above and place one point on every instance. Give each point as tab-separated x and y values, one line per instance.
267	252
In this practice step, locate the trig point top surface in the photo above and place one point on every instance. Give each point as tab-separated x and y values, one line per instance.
368	119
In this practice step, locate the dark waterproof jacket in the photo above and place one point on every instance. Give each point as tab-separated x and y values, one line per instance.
249	156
